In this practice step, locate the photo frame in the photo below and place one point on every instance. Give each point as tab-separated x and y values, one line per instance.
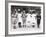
24	18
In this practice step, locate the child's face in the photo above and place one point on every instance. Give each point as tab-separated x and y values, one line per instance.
23	11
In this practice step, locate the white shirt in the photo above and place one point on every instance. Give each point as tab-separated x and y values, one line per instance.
20	19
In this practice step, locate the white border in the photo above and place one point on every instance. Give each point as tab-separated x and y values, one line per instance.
23	4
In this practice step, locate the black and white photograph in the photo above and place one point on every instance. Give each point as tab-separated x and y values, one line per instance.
24	18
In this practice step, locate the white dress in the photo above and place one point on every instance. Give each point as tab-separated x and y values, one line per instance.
31	20
28	20
34	20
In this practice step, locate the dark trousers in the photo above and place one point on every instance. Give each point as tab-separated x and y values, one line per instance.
38	22
19	24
